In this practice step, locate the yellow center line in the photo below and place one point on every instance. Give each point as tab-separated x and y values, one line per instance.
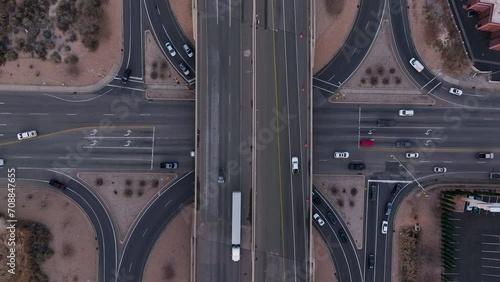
279	147
76	129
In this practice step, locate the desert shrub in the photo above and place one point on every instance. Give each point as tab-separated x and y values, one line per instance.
369	71
380	70
154	75
155	183
334	7
55	57
99	182
71	59
373	80
128	192
90	42
385	80
47	34
40	50
49	44
72	37
66	14
20	42
67	48
11	55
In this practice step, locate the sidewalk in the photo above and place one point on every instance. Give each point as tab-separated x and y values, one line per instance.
63	89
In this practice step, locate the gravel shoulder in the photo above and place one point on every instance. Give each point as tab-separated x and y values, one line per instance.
170	258
126	194
346	193
73	242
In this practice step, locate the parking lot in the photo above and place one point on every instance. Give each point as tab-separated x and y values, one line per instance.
477	252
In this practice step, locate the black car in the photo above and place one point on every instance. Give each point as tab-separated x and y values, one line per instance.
316	199
343	235
371	261
385	122
126	75
357	166
331	217
373	192
403	144
169	165
397	188
57	184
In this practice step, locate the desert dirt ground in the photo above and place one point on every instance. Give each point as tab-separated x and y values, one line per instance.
426	211
73	242
333	25
170	258
163	81
324	269
346	194
380	69
183	12
91	67
125	200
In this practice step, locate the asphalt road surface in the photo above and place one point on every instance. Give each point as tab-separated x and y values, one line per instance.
224	91
282	215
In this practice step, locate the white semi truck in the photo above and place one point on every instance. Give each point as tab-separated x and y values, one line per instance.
236	226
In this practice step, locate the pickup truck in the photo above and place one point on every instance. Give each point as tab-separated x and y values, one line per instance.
485	155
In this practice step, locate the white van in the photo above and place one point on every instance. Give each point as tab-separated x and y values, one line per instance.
416	65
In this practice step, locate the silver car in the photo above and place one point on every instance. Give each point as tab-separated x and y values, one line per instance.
184	69
170	49
188	50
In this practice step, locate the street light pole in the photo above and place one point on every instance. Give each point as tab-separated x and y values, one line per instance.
414	179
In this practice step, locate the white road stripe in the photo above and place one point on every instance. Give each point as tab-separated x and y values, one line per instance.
123	147
39	114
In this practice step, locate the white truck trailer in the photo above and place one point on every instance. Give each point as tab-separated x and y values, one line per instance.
236	226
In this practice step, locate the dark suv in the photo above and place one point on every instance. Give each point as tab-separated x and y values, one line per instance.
343	235
357	166
397	188
331	217
316	199
169	165
403	144
385	122
371	261
57	184
126	75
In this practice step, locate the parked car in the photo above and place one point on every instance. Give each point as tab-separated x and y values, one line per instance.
188	50
385	224
416	64
221	178
403	144
57	184
318	219
169	165
170	49
365	143
343	236
406	113
2	162
495	175
341	155
295	165
456	91
126	75
331	217
440	169
357	166
411	155
26	135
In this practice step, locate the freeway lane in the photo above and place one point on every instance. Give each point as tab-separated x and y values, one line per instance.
354	50
281	214
224	122
148	228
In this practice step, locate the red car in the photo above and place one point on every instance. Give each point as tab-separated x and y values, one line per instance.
364	143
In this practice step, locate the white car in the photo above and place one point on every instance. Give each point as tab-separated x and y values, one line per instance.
26	135
188	50
341	155
295	165
320	221
2	162
384	227
456	91
170	49
440	169
411	155
406	113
